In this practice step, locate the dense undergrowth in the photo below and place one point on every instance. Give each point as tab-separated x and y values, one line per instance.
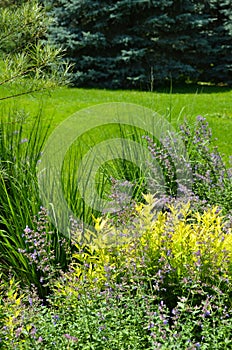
167	285
156	276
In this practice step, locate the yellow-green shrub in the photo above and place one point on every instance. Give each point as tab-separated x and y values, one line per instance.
11	309
191	243
180	242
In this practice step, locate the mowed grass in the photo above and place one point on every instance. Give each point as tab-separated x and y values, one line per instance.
214	103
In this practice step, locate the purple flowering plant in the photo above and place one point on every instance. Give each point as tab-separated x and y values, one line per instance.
212	179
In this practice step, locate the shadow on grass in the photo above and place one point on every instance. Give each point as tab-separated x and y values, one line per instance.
193	89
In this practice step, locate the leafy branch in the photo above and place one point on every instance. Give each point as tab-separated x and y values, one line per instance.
28	63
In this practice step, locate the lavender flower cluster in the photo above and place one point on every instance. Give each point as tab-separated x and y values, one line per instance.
39	249
212	180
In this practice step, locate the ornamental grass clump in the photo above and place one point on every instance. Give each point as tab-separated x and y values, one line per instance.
19	197
31	248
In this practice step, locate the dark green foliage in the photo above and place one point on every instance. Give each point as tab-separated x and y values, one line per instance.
144	43
7	3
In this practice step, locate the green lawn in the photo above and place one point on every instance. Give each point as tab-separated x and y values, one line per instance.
214	103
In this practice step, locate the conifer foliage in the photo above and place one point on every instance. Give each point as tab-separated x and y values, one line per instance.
143	43
28	64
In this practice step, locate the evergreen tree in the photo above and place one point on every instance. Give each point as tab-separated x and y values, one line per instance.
6	3
217	63
27	63
142	43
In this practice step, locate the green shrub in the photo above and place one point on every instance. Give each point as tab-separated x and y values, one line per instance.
166	286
